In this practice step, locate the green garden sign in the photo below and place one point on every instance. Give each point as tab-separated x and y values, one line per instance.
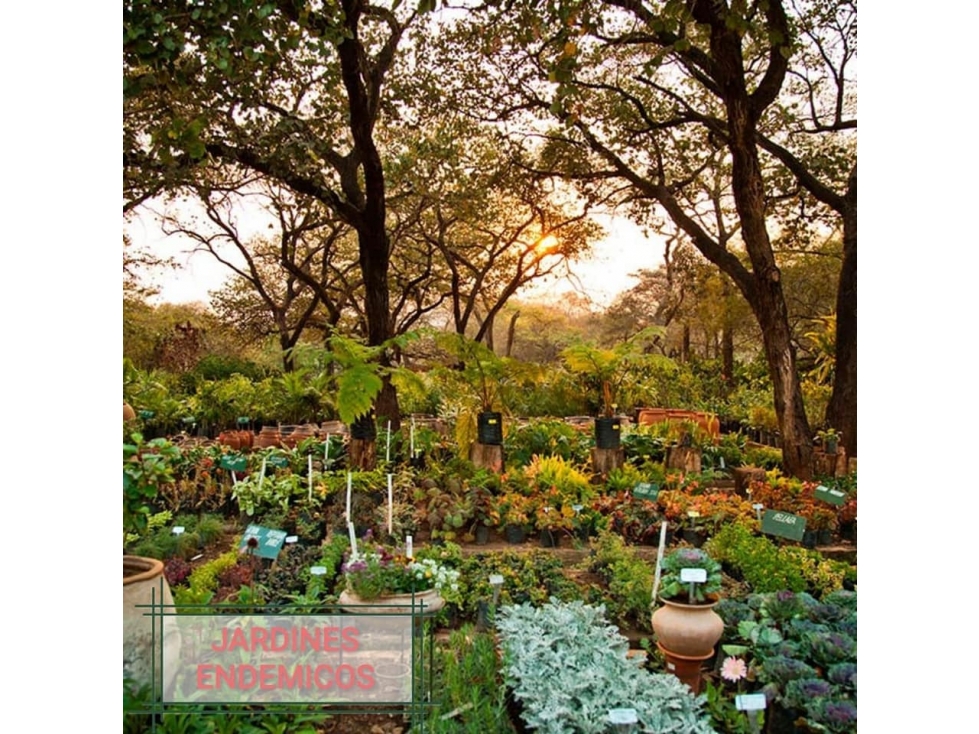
269	541
233	462
833	496
783	524
646	491
279	462
243	420
146	414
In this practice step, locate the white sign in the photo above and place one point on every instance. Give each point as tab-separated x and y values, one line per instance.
292	538
496	579
693	575
318	570
750	702
178	530
622	716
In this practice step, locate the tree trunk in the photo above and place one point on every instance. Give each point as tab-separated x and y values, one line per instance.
685	349
510	332
841	413
727	358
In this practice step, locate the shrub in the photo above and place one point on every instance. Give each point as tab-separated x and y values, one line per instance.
547	651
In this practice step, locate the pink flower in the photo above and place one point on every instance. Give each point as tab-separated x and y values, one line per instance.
734	669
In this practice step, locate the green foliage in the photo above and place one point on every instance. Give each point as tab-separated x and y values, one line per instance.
546	437
629	579
546	649
532	577
472	697
671	586
766	567
146	467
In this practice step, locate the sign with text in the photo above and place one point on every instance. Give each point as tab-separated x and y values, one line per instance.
693	575
833	496
646	491
269	541
233	462
750	702
783	524
259	659
279	462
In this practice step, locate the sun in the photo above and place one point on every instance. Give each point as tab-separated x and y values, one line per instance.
546	244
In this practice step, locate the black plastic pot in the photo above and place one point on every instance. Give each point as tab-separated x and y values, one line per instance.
515	534
482	535
607	433
364	428
489	428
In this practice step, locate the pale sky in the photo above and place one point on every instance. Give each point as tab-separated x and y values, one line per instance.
624	250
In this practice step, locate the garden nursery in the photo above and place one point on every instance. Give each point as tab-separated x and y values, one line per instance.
650	572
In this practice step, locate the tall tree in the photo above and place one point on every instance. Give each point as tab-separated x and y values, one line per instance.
290	89
655	96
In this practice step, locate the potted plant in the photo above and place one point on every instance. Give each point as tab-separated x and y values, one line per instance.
510	512
609	372
830	439
386	576
481	372
146	466
686	626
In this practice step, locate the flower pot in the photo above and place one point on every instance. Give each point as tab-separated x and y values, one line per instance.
426	603
549	539
482	535
685	667
689	630
515	534
809	539
128	414
695	536
268	438
143	582
607	433
489	428
824	537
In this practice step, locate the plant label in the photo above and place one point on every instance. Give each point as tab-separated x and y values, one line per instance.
750	702
646	491
178	530
146	414
833	496
693	513
318	570
234	463
577	508
290	539
758	506
496	579
622	716
190	420
693	575
280	462
243	420
783	524
269	541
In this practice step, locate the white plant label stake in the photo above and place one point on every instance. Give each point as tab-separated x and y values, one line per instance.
310	464
659	561
693	576
623	720
326	452
758	507
387	450
409	551
390	504
412	439
496	581
292	539
353	540
178	529
751	704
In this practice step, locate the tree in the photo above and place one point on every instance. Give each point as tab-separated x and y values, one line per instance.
663	100
300	279
286	89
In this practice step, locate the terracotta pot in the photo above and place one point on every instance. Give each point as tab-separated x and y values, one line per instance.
393	603
685	667
143	582
247	438
128	414
268	438
690	630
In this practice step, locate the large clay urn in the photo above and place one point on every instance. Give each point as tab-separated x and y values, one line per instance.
143	582
690	630
128	414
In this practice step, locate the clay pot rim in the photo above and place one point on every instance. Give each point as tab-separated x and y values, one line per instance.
146	569
713	599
